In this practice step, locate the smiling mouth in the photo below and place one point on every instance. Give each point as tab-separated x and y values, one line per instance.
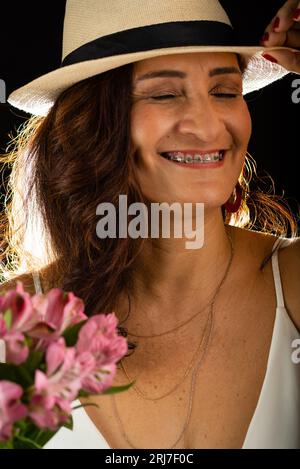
194	159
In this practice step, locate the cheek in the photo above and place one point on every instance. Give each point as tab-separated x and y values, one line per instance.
242	126
147	126
136	129
141	126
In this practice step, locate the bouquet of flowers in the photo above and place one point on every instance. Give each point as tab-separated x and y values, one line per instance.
51	353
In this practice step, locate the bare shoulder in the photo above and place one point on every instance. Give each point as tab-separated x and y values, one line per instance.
47	275
253	245
257	248
26	279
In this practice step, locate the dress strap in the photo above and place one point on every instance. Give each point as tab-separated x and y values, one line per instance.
2	351
276	271
37	282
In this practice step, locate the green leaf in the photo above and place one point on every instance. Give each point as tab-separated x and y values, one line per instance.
8	318
111	390
115	389
69	424
21	442
45	436
25	375
17	374
34	360
71	333
6	445
33	433
89	404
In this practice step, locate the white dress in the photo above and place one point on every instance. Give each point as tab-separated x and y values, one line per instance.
276	419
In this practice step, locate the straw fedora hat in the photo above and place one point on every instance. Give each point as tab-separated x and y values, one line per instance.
101	35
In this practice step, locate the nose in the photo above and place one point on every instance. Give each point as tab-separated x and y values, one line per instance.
200	118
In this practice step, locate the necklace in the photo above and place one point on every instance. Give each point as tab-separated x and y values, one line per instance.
195	372
187	371
170	330
194	358
190	405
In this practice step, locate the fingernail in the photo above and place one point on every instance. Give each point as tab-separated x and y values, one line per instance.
270	58
276	22
296	14
265	37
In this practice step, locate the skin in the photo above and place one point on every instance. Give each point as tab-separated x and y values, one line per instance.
286	34
207	113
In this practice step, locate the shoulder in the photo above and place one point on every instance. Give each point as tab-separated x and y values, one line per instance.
26	279
257	250
48	278
255	247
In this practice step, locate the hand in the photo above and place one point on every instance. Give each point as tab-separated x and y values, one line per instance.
284	30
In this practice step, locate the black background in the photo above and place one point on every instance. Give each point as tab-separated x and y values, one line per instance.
31	45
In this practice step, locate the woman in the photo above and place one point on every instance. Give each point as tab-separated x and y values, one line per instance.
198	319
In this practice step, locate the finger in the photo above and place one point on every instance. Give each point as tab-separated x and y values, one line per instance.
293	38
288	59
296	15
283	20
290	38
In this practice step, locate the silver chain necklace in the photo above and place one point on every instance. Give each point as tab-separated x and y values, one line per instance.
210	322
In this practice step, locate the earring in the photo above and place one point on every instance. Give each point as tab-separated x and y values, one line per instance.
233	207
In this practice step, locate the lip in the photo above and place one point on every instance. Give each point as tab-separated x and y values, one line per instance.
216	164
198	152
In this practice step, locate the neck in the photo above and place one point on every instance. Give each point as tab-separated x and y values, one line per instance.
171	283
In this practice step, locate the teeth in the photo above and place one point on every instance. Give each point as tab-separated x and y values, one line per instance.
208	157
188	159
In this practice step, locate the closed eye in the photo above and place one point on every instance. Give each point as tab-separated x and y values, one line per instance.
164	96
226	95
221	95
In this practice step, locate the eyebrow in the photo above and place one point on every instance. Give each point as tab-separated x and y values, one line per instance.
178	74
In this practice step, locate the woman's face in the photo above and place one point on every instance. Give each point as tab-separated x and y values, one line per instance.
199	112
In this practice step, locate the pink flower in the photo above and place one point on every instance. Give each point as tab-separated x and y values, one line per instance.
16	350
37	323
57	310
19	302
100	379
17	309
11	409
55	390
99	336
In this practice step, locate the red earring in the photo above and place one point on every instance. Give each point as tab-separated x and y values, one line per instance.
233	207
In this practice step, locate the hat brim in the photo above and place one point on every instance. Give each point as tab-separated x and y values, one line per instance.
38	96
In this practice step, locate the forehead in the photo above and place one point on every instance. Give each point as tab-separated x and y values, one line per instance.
199	60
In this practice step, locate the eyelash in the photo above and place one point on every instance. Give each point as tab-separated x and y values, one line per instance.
223	95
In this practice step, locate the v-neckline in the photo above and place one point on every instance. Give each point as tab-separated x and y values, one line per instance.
266	376
259	401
